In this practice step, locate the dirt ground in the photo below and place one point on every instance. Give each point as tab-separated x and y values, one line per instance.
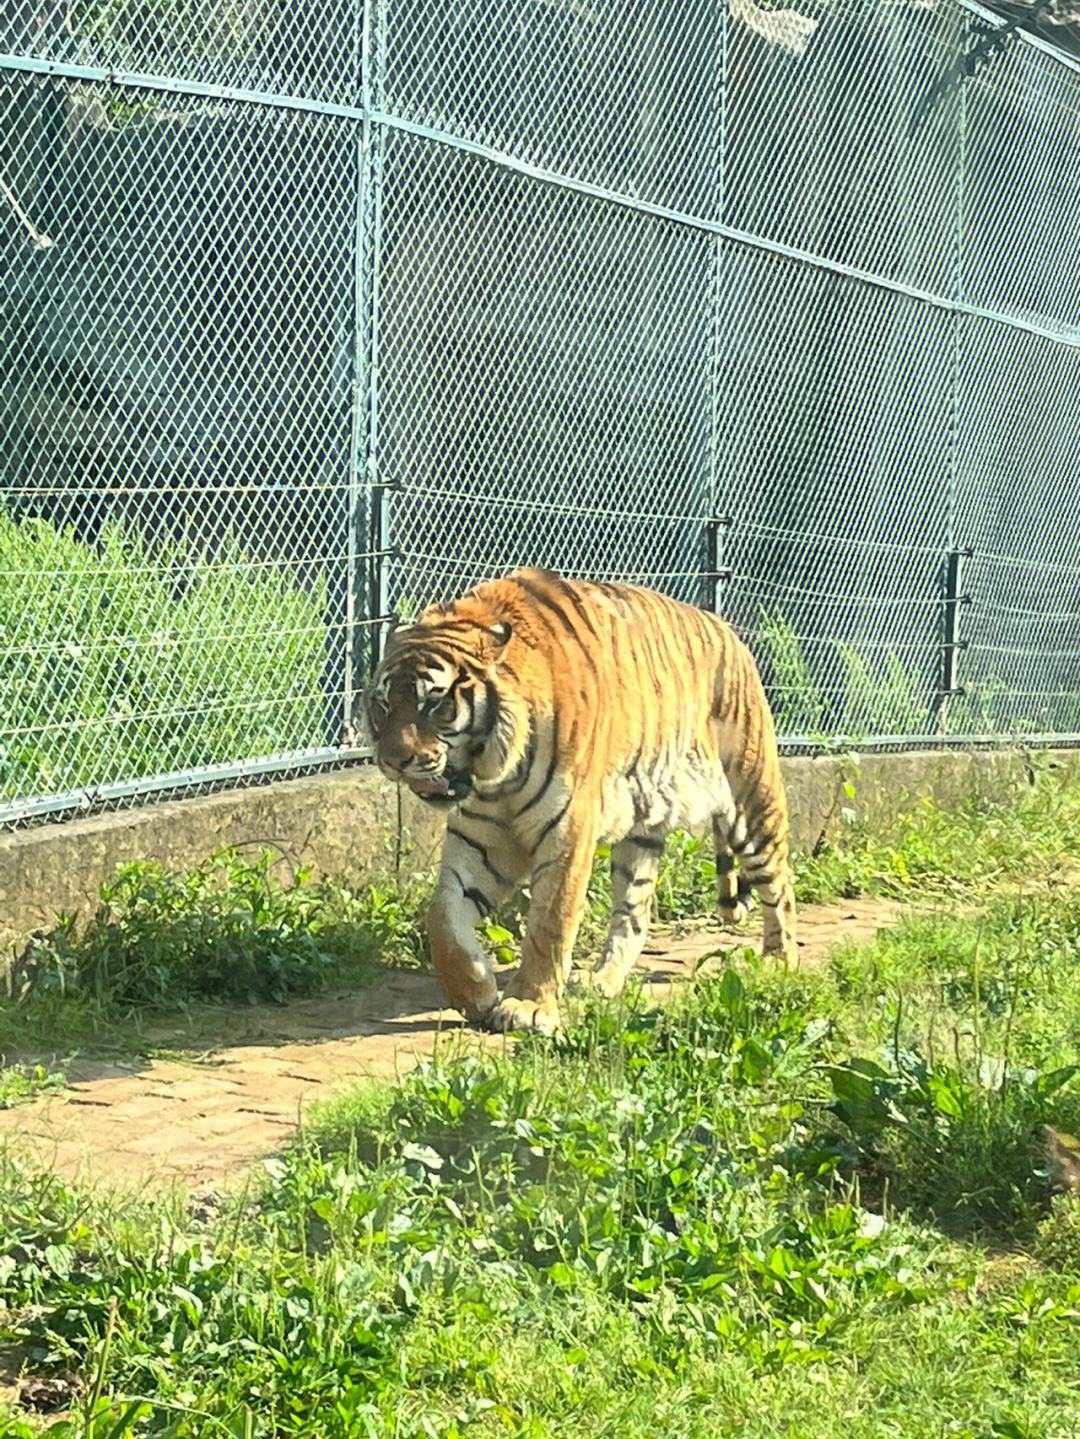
239	1092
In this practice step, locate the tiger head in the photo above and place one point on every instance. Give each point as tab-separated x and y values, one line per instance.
438	707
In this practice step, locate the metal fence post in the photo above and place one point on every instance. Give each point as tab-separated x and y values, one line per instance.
355	522
951	641
716	569
367	533
712	544
379	548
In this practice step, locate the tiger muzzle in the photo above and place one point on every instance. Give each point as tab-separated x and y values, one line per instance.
440	790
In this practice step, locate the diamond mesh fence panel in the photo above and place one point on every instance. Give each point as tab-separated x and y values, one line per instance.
624	96
312	314
838	143
824	441
545	380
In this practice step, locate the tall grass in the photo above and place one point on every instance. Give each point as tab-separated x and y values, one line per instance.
840	695
236	928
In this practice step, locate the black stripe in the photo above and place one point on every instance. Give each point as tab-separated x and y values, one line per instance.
630	907
480	817
645	841
577	600
448	625
491	714
480	850
548	778
479	899
650	660
550	824
725	861
475	896
552	607
548	602
524	765
550	775
470	702
411	660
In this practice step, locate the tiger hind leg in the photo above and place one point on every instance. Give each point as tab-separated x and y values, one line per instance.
734	890
778	910
761	843
635	863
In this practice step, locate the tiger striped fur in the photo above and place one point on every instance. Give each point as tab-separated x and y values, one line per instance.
548	715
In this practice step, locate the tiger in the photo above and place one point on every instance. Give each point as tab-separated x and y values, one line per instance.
549	715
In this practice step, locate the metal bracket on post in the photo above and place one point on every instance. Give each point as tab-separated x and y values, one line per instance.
952	643
381	552
714	571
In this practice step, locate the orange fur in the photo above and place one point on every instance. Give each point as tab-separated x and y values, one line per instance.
548	715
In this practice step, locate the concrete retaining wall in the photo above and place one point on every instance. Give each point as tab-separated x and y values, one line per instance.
353	824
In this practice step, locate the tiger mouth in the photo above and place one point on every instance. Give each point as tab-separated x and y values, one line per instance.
445	788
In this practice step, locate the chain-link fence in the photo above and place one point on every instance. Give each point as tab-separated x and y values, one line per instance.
312	313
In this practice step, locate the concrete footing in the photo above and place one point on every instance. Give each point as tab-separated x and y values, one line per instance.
353	824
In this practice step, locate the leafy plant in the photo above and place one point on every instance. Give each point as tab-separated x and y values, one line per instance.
963	1146
229	929
22	1082
800	705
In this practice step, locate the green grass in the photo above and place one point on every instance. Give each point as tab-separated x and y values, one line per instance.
689	1221
812	1204
156	659
867	695
245	927
1057	1239
20	1083
839	694
929	849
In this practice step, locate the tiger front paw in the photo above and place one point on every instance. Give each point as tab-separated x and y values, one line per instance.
516	1014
